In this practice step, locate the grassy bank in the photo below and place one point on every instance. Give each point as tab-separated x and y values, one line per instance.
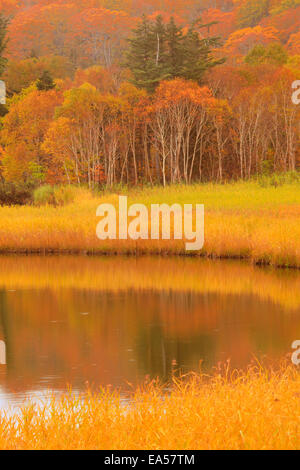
242	220
255	410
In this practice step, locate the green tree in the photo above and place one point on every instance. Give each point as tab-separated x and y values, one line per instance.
174	38
273	54
256	55
142	56
36	173
197	55
3	42
45	82
284	5
158	52
251	12
159	33
276	54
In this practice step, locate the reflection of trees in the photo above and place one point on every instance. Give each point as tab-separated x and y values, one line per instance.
160	355
2	353
4	336
128	335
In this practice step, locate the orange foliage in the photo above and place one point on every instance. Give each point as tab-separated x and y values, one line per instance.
241	42
82	45
90	32
176	91
294	43
28	117
99	33
226	22
9	7
97	76
287	22
68	29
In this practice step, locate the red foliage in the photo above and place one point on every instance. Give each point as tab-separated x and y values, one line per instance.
286	22
226	22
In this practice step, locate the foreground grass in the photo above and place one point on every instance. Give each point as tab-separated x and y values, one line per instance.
259	409
243	220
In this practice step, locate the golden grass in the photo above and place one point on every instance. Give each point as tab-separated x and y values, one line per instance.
259	409
243	220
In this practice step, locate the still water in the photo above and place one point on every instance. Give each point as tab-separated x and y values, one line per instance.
73	321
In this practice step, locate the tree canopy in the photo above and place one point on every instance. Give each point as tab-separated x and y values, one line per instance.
3	42
159	51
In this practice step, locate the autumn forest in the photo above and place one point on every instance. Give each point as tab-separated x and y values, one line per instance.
150	226
106	92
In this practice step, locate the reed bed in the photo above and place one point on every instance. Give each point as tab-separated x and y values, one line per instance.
242	220
257	409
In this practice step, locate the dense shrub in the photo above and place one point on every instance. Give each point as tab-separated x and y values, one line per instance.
14	194
54	195
278	179
44	195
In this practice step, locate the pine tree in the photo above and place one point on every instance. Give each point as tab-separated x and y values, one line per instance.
141	56
3	42
158	52
45	82
174	39
161	55
197	55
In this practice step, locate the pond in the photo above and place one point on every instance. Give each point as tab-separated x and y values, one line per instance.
78	321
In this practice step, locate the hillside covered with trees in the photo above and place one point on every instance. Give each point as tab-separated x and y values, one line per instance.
106	92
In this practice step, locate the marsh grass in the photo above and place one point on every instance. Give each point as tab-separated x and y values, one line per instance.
257	409
242	220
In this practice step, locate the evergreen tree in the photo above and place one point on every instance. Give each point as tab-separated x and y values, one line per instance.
3	42
45	82
197	55
158	52
174	39
273	54
141	58
161	55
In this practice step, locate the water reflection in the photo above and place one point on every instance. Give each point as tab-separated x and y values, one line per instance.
73	320
2	353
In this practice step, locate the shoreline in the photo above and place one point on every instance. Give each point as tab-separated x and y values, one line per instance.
48	252
256	409
243	221
150	273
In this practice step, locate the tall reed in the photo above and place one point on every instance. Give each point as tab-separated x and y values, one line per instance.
259	409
